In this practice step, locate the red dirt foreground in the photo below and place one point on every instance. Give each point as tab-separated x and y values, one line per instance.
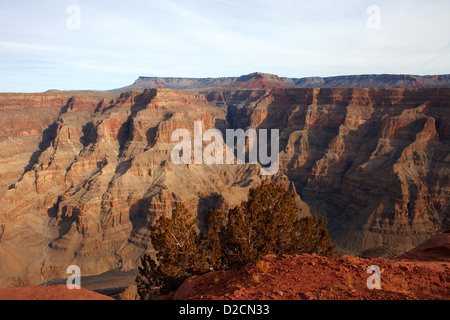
60	292
311	277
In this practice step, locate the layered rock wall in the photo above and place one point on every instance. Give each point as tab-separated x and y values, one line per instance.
84	177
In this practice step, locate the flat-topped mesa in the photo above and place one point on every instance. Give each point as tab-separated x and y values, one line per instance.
260	75
257	81
260	80
189	84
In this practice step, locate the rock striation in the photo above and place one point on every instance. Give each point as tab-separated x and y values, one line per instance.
85	175
101	176
374	162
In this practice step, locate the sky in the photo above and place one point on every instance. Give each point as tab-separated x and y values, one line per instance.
106	44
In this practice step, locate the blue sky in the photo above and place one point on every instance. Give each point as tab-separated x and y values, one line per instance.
44	45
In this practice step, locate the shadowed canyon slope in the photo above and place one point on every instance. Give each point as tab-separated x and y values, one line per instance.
83	177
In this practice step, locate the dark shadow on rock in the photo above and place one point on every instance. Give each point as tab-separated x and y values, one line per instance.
151	133
151	137
137	216
221	125
53	211
63	223
213	201
89	134
140	225
101	106
126	127
437	153
123	134
48	136
123	167
66	107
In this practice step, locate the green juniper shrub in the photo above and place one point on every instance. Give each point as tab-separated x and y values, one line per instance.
268	223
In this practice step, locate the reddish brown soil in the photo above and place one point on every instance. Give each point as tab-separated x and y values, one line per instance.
310	277
60	292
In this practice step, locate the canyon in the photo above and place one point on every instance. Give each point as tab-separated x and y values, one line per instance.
84	175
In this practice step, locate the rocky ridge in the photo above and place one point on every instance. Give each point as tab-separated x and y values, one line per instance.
309	277
260	80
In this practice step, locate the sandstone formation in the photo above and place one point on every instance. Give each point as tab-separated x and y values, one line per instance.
259	80
374	162
28	126
84	176
101	176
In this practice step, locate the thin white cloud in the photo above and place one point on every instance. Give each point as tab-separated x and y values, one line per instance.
217	38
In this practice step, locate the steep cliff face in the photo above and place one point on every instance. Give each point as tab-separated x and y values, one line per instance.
98	172
102	176
375	162
28	126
